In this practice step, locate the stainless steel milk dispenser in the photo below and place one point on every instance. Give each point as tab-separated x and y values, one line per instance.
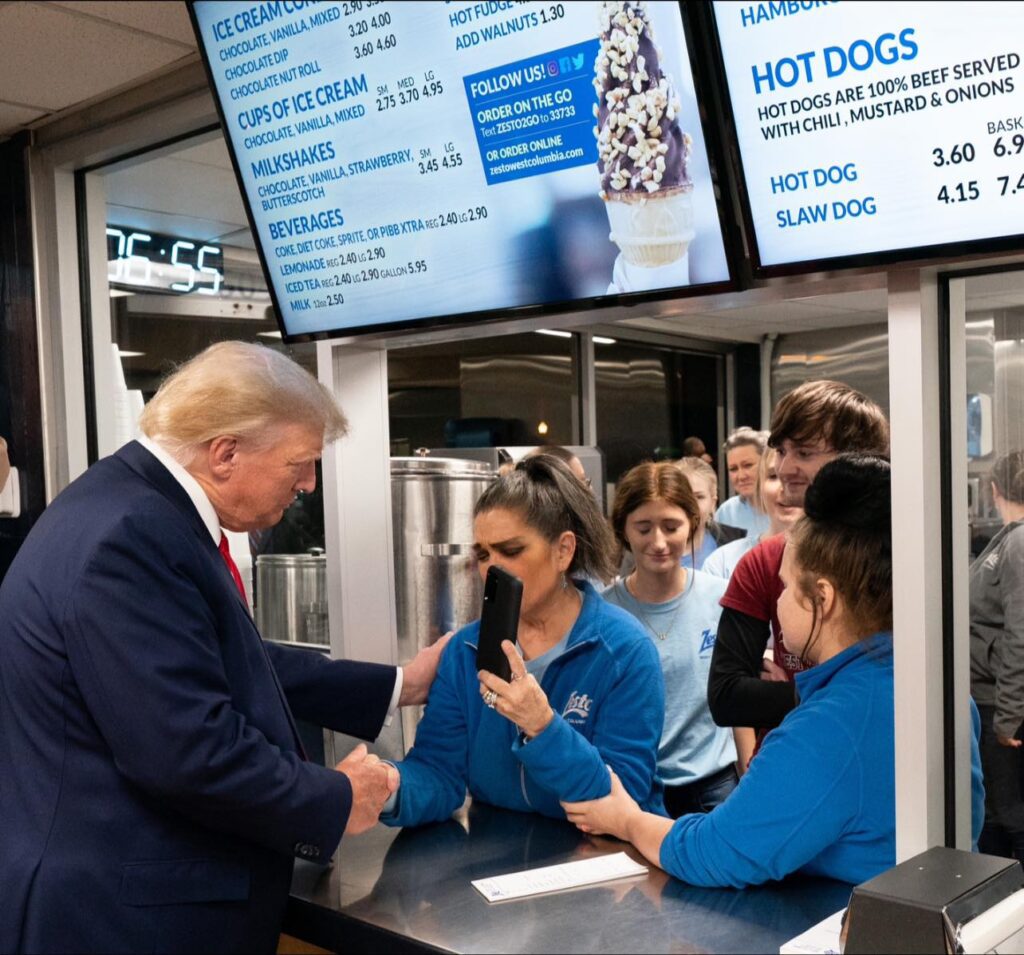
291	598
436	581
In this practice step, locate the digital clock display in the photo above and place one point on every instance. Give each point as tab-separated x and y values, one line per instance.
155	261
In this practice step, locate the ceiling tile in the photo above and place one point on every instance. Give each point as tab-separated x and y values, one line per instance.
212	153
11	116
170	185
165	18
52	59
168	223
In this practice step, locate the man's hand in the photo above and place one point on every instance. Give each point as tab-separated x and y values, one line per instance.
372	783
418	674
1008	741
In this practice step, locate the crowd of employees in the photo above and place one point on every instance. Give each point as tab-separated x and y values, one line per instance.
151	768
818	797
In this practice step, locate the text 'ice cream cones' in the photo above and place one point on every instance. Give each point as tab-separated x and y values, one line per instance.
642	152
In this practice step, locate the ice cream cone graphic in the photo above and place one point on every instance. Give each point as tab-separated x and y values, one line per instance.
642	152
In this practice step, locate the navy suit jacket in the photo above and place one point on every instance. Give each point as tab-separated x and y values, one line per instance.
153	794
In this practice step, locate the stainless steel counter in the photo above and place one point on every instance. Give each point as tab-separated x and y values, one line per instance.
409	890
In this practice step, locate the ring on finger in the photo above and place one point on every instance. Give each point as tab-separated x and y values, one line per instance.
516	676
490	698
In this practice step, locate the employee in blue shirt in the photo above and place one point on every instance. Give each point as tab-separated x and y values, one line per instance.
586	691
820	796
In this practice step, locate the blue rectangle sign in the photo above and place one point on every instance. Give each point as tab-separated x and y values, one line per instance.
535	116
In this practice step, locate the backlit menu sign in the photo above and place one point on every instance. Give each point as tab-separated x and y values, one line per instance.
873	127
403	161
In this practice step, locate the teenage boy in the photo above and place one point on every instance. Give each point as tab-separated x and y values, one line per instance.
810	426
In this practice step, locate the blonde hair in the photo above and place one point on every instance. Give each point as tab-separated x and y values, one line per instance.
764	465
241	389
701	468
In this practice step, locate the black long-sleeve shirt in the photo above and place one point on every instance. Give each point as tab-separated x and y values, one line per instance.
737	696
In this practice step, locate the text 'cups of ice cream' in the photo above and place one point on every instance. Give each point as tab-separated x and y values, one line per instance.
642	152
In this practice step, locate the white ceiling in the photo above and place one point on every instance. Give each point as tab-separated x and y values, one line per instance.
58	55
751	322
190	191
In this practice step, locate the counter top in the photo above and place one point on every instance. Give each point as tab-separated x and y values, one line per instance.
409	891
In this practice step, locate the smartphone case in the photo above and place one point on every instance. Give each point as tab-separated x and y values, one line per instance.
499	620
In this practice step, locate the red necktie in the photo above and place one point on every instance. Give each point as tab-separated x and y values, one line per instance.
225	552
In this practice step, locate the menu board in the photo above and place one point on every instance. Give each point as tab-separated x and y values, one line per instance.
874	127
405	161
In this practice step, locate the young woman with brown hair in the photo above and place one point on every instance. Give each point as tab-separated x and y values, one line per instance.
655	517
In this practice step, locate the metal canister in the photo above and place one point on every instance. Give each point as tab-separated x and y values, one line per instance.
291	597
437	585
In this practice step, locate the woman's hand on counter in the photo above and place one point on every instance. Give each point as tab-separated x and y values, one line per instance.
520	700
418	674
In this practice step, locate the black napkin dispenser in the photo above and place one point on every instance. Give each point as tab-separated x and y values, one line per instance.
921	904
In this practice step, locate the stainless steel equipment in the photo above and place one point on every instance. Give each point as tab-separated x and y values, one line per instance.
437	585
291	598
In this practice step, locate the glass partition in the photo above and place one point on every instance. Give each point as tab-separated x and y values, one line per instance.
986	616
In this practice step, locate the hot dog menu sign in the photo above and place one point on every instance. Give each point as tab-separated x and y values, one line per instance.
409	160
867	127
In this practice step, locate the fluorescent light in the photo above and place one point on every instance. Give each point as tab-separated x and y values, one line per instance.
601	340
553	333
131	354
120	293
269	334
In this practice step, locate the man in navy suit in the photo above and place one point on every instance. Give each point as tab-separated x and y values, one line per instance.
153	789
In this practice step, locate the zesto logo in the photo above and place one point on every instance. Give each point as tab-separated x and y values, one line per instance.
578	705
565	64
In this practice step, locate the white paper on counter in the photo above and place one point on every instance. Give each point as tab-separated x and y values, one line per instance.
820	939
555	878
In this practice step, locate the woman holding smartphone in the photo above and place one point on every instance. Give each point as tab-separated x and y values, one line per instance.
586	688
820	797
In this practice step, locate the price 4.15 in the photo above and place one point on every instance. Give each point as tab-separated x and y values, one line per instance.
960	192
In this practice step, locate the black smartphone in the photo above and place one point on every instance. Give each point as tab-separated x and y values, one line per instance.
499	620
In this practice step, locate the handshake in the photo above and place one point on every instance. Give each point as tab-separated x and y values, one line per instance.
373	781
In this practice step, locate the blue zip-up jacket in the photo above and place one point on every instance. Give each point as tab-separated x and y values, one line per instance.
820	796
609	700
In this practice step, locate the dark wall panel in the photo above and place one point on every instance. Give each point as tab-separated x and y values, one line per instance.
20	409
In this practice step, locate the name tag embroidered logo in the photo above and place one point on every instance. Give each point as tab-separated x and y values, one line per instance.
577	709
707	640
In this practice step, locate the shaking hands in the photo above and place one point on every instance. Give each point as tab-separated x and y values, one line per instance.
372	781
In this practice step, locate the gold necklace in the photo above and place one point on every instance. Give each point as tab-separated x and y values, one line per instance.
661	635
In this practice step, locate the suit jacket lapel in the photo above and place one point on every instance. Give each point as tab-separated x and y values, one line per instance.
149	468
